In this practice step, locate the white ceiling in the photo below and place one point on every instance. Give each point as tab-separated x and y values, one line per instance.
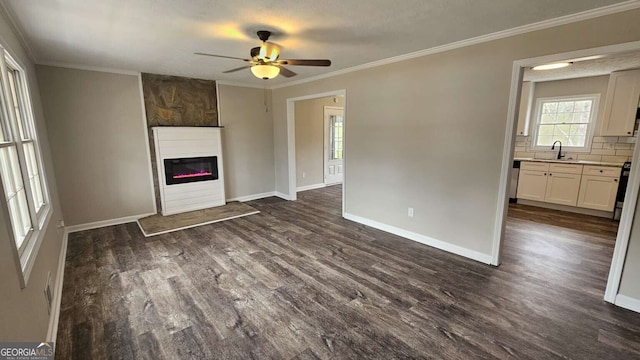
160	36
602	66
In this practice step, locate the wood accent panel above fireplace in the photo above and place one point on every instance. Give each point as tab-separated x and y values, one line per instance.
176	101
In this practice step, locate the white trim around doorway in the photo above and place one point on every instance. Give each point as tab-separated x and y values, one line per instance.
291	141
633	187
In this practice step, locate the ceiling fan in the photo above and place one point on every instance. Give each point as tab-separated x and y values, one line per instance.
265	62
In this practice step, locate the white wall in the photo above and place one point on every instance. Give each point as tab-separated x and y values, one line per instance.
428	133
97	132
23	312
309	124
629	285
247	140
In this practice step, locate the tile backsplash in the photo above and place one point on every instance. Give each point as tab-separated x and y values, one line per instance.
605	149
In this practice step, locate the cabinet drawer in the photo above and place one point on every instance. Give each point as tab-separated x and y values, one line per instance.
535	166
601	171
565	168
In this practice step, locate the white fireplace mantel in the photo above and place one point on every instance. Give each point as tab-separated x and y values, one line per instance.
172	142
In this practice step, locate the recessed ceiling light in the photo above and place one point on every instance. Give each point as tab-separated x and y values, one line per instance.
552	66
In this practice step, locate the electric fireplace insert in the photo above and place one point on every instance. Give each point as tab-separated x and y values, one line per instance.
186	170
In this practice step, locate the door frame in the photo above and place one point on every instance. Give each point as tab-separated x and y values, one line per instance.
291	141
633	186
326	145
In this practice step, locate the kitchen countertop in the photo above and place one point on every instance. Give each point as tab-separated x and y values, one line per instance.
570	161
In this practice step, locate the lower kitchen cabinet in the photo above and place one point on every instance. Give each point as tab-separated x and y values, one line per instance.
532	185
598	192
562	188
589	186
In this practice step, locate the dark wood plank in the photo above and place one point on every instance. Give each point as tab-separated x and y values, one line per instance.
297	281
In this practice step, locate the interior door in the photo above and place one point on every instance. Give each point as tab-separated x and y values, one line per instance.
333	145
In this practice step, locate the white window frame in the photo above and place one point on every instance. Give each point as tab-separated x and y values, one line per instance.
595	98
25	255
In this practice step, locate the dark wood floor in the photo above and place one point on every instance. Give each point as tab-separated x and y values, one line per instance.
299	282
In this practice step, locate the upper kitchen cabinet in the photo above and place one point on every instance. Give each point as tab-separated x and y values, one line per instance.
524	111
621	104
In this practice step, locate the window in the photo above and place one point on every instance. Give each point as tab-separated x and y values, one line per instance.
336	127
23	186
567	119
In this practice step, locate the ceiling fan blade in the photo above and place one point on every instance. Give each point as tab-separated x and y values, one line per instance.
286	72
237	69
222	56
305	62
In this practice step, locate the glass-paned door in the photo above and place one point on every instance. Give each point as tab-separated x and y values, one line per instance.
334	145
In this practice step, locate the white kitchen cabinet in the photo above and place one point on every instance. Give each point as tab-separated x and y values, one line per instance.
598	192
555	183
586	186
524	110
562	188
532	185
621	103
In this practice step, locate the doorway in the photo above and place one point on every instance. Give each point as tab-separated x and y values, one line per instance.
631	197
296	175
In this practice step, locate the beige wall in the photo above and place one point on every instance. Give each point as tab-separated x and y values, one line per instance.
23	312
309	115
428	133
630	286
97	135
607	149
247	140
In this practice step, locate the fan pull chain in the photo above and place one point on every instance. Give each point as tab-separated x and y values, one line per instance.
266	107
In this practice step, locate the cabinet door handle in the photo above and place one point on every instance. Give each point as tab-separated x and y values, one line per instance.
616	180
550	174
628	132
545	174
600	170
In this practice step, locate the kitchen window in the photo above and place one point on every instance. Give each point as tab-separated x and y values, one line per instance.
567	119
24	192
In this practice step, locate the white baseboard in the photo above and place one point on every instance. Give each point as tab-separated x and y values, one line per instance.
54	317
311	187
253	197
628	303
282	195
105	223
439	244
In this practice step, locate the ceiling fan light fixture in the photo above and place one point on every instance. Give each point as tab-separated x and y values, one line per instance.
268	52
552	66
265	72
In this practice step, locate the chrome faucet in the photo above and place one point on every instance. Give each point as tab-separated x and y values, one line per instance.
553	147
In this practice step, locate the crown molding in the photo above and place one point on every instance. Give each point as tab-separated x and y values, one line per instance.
541	25
88	68
14	24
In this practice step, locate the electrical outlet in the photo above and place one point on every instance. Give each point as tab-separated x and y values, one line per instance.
410	212
60	224
48	295
304	174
